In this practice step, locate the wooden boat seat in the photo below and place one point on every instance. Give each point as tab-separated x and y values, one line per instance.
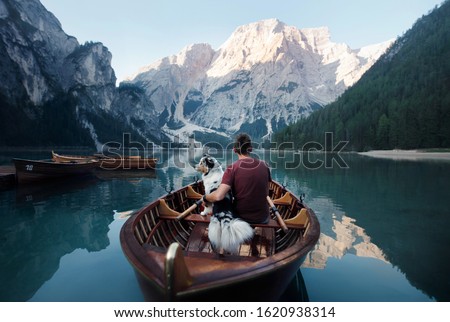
294	223
300	221
262	244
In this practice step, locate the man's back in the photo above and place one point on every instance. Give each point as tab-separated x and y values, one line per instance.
249	181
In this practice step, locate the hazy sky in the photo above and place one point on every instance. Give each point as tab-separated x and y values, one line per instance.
139	32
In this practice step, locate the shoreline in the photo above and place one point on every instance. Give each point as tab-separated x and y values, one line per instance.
407	155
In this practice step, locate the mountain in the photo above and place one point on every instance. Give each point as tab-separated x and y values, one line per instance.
55	91
265	76
403	101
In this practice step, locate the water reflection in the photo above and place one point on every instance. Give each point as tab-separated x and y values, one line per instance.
104	174
41	228
347	238
296	291
394	211
41	191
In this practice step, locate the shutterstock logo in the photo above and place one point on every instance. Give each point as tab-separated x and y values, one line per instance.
312	155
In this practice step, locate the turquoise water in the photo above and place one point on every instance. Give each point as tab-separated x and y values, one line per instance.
384	229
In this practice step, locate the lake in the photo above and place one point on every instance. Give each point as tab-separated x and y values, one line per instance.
384	228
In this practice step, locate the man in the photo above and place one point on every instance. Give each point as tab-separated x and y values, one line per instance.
248	179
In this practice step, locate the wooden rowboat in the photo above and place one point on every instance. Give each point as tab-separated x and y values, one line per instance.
71	158
167	244
110	162
37	170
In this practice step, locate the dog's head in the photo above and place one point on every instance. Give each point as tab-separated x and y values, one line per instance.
207	163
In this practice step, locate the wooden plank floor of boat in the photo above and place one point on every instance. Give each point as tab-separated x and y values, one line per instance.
262	245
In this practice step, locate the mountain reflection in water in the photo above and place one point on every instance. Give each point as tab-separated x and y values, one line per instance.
395	211
50	224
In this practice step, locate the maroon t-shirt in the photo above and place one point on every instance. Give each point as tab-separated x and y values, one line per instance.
249	181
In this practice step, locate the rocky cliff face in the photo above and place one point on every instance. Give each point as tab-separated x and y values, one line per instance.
48	77
266	75
42	59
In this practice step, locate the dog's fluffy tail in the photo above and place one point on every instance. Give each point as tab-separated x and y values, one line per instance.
228	234
235	233
215	233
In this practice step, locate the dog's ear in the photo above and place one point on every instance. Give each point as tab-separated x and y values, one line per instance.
209	162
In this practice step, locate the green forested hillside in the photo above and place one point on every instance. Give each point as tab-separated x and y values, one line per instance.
403	101
57	124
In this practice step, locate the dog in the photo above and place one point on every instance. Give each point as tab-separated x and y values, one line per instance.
225	231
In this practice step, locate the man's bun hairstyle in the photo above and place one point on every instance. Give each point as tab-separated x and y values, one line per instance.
243	144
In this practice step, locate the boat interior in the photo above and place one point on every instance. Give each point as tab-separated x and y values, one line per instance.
174	218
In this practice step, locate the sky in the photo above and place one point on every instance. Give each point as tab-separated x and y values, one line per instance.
140	32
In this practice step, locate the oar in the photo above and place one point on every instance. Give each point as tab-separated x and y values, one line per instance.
277	213
187	211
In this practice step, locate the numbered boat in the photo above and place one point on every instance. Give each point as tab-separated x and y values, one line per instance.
167	244
39	170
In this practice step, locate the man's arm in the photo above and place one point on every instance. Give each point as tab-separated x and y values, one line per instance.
218	194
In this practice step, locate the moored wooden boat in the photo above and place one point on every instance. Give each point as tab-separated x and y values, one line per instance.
167	244
111	162
37	170
71	158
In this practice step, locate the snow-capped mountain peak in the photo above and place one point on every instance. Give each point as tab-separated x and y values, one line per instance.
265	75
255	43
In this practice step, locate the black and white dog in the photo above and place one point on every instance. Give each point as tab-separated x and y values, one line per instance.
225	230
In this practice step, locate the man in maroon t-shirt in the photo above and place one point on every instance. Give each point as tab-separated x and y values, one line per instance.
248	180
